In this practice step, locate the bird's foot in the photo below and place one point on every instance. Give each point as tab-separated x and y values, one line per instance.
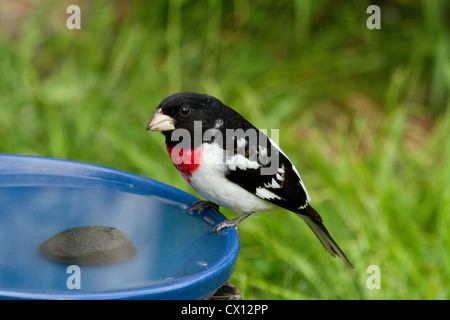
231	223
223	225
202	205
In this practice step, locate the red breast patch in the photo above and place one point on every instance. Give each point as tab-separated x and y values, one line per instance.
186	160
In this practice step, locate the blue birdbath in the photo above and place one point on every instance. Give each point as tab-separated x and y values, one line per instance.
177	257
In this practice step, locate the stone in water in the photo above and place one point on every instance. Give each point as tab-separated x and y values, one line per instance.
90	245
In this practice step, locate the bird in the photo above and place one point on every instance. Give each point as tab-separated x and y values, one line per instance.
232	164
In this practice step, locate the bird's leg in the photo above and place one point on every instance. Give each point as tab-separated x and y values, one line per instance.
202	205
231	223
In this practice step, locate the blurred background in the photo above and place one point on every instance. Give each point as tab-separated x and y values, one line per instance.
364	115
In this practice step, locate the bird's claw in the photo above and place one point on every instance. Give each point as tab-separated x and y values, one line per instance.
231	223
223	225
201	205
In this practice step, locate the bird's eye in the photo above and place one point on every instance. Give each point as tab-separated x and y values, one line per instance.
185	111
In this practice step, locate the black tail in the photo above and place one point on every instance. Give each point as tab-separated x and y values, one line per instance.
314	221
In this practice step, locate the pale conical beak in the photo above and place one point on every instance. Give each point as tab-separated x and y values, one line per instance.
160	122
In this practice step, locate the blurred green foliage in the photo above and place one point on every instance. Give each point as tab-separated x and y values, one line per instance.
364	115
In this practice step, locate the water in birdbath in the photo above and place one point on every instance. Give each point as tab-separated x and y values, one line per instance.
170	244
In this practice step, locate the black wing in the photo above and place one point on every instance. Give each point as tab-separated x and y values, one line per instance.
264	170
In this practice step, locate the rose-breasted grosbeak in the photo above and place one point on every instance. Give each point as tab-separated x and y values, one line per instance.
232	164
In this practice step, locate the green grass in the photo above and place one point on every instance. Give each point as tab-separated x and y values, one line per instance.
363	114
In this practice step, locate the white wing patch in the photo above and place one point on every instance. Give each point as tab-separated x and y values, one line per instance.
266	194
241	143
281	171
238	160
262	155
273	184
241	162
218	124
254	161
304	206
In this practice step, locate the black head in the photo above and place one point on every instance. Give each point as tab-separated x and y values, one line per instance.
194	112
